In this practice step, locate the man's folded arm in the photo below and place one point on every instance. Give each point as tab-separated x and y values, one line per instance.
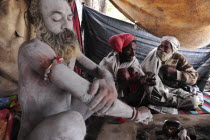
186	73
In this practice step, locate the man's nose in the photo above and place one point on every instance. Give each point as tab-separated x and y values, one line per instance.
162	49
67	24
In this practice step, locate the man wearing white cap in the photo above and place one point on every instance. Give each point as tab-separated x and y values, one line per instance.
172	71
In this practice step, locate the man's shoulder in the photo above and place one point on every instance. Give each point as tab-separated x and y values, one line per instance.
35	48
33	43
112	55
177	56
109	60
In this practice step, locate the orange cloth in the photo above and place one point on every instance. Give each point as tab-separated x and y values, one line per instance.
118	42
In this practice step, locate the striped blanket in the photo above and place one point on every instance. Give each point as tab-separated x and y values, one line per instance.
98	28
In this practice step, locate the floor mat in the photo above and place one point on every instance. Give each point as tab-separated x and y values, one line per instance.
205	108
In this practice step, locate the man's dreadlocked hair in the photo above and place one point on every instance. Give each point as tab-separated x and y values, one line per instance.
55	41
34	15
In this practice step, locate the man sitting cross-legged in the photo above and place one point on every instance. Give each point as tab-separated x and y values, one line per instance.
173	73
125	69
53	98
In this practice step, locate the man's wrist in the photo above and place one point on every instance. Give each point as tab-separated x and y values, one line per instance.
134	114
179	75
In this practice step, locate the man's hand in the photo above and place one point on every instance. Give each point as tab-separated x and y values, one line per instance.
183	135
145	80
169	72
105	97
144	115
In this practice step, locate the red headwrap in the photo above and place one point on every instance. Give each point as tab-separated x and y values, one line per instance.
118	42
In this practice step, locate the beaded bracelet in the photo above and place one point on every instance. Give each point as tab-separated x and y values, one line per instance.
57	59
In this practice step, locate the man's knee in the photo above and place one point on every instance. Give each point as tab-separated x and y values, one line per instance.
65	125
191	102
75	122
195	101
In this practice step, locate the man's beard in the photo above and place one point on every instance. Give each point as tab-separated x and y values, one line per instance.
64	44
164	56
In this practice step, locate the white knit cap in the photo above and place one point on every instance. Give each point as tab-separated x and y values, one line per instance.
174	42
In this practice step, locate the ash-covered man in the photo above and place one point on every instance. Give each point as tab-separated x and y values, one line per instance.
173	73
125	68
55	100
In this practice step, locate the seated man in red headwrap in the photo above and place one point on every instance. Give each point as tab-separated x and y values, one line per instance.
125	68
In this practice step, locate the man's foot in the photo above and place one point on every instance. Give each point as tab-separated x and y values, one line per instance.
163	110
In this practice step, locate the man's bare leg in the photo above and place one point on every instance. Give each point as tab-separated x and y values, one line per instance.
67	125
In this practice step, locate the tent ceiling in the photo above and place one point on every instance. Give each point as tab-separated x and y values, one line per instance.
188	20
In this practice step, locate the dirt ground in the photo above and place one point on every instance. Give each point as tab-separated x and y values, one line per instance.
198	127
